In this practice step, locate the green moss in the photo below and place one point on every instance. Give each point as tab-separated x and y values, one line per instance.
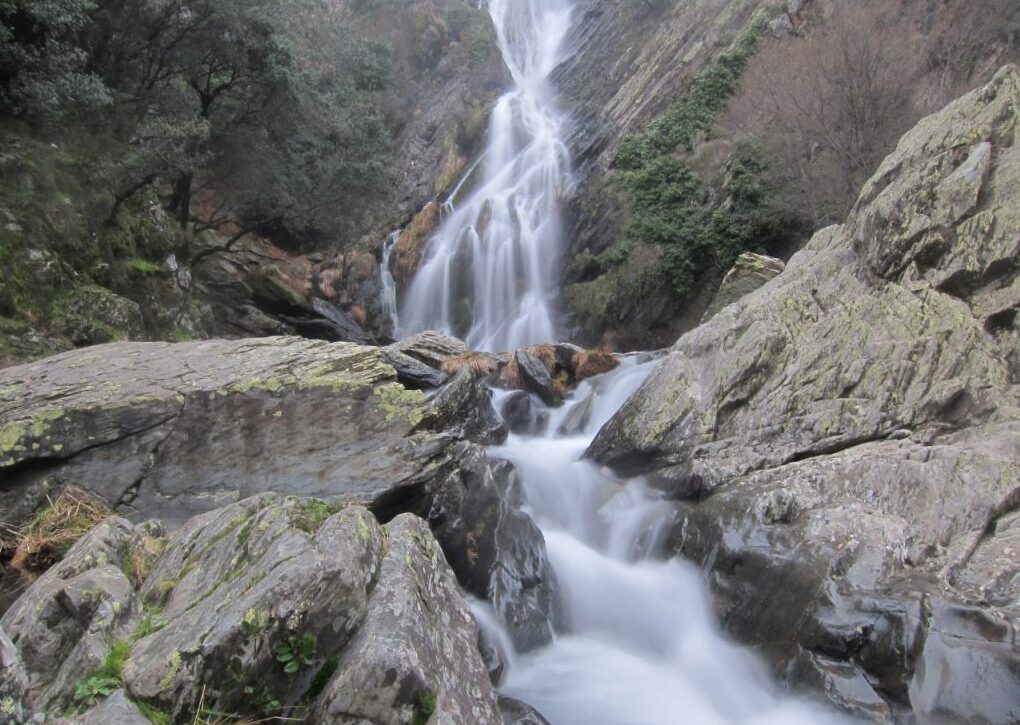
171	674
310	514
399	403
113	665
427	703
144	266
154	714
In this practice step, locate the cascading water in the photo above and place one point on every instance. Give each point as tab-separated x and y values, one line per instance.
492	261
641	646
388	296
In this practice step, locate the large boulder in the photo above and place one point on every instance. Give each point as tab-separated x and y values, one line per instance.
177	429
496	549
66	623
415	658
464	408
430	347
844	439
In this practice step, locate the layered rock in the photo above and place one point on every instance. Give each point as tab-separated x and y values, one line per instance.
268	607
848	434
170	431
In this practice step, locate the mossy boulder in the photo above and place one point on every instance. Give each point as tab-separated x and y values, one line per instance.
92	315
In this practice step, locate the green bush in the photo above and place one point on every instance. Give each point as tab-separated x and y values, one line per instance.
701	224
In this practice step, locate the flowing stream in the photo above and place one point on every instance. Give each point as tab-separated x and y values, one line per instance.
490	268
641	645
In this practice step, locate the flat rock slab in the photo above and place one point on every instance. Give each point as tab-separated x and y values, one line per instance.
176	429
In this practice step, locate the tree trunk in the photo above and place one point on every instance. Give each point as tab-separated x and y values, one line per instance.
182	199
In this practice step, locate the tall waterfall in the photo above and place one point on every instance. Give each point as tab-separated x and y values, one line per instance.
493	259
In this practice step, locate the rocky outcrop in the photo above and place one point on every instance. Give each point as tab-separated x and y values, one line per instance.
847	435
268	607
749	272
154	426
170	431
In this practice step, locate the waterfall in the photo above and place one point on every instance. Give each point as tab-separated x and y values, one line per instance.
641	645
388	296
489	271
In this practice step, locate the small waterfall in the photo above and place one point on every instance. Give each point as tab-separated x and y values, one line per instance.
489	270
388	296
641	645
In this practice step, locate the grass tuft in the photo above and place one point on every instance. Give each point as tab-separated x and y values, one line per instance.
44	541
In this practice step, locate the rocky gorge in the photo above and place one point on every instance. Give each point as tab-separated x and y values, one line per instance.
806	509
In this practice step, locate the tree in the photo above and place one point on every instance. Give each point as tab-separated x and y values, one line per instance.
42	65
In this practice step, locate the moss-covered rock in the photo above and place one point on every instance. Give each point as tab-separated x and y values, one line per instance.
847	434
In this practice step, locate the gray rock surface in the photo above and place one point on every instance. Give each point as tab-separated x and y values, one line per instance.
847	435
430	347
174	430
415	657
413	373
66	622
516	412
497	550
535	376
749	272
255	609
464	408
117	709
14	702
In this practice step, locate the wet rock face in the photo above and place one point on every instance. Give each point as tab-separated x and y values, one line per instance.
497	550
267	606
846	436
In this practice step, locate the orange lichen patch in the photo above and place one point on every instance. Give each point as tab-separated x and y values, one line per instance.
56	529
479	362
409	248
590	363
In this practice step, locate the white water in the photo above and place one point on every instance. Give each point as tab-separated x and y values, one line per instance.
493	258
388	297
642	646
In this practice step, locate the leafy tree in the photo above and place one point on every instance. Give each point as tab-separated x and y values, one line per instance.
42	65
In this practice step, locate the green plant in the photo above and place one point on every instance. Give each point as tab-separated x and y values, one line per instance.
426	708
296	652
702	224
149	624
88	691
154	714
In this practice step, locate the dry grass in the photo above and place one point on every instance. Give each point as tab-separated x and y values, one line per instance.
137	560
214	717
479	362
510	377
56	529
589	363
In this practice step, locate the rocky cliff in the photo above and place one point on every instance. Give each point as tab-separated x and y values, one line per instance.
633	61
846	438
